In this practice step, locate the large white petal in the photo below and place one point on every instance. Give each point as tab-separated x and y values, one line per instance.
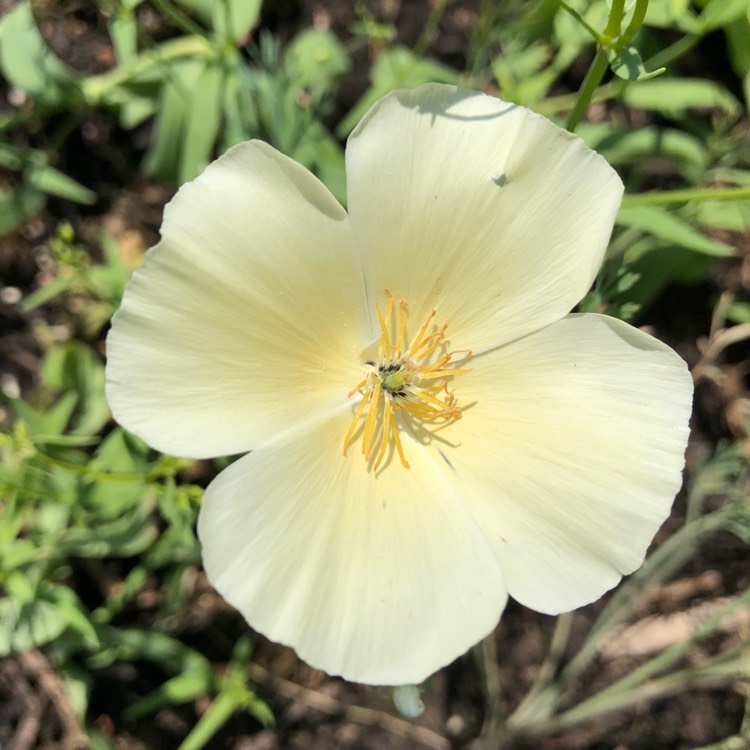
248	316
483	209
380	579
571	454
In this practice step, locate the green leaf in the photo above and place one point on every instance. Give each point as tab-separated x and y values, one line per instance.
203	10
633	147
235	19
114	274
74	366
722	13
738	36
315	60
18	553
123	30
671	14
657	266
24	626
185	687
628	65
120	453
203	120
38	175
238	126
677	95
175	102
18	205
50	180
668	227
135	109
731	215
395	68
131	644
739	312
75	614
47	292
124	537
27	62
49	421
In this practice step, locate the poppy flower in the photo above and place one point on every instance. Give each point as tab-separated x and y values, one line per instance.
426	427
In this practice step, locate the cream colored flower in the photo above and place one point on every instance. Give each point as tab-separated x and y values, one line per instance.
427	429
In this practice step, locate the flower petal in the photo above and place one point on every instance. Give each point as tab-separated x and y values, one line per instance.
246	318
571	454
380	579
482	209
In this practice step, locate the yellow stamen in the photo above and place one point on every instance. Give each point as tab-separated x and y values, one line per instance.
400	387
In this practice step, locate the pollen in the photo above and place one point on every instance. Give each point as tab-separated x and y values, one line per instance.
405	382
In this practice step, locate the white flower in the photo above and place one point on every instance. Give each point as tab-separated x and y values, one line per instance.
509	447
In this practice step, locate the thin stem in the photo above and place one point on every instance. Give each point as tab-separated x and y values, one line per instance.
669	656
530	709
639	15
564	102
674	51
429	29
95	88
689	194
85	471
590	83
662	563
596	36
493	720
612	30
178	18
711	674
217	714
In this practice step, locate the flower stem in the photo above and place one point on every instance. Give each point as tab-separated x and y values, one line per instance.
590	83
611	39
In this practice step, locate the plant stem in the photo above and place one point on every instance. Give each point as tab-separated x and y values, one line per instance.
85	471
612	30
590	83
564	102
660	565
690	194
716	672
208	725
679	48
531	709
639	15
95	88
178	18
429	29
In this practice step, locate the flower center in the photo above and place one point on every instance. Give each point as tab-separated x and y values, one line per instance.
404	381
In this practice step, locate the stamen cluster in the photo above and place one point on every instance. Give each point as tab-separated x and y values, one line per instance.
400	382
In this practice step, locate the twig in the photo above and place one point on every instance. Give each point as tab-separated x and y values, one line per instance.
29	723
37	665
